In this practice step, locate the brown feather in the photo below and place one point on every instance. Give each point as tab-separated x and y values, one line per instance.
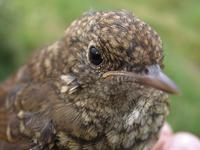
3	124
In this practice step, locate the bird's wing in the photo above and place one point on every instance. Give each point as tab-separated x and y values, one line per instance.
4	89
3	113
24	113
7	117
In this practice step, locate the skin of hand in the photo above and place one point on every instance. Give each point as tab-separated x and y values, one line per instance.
176	141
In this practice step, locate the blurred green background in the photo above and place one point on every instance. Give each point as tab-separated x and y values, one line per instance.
28	25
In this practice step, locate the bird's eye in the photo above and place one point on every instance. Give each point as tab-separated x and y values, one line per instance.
95	56
146	71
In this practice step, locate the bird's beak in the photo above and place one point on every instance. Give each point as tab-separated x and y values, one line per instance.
154	78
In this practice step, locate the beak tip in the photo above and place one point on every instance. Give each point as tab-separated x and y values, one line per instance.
176	91
169	87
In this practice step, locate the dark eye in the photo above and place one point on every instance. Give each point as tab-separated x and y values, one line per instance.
95	56
146	71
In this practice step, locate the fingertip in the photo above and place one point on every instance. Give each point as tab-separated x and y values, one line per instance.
183	141
166	130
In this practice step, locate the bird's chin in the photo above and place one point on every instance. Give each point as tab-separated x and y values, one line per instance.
125	91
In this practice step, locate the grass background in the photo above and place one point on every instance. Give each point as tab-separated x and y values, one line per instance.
28	25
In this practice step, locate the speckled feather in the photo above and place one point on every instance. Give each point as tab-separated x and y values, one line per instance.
58	100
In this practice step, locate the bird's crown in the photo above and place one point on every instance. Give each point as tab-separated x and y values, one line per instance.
115	36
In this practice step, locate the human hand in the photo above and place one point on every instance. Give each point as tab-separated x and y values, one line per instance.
176	141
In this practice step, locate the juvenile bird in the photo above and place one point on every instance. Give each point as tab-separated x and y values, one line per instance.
100	86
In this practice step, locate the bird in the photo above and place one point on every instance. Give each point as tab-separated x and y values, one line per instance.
101	86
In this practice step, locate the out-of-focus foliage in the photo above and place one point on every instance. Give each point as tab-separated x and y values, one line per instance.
29	25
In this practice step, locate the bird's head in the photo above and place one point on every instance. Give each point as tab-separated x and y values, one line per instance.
116	48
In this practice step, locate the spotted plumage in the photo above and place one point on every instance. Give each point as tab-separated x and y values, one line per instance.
100	86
